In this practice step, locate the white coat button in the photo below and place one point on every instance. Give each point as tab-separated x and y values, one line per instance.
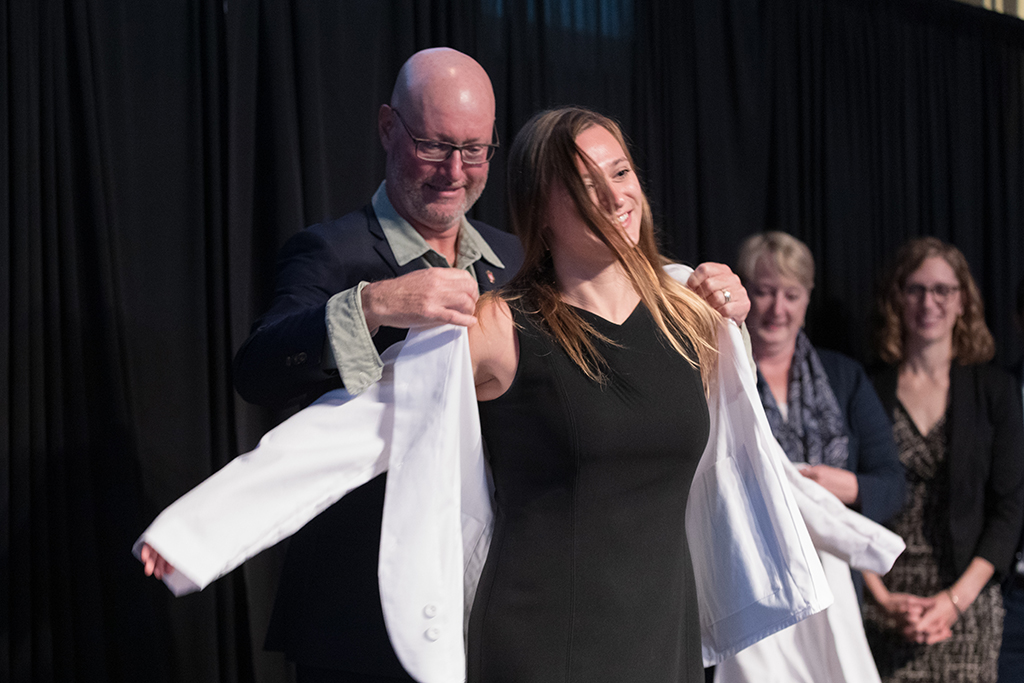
433	633
430	611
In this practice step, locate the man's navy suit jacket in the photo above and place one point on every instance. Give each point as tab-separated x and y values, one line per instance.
327	613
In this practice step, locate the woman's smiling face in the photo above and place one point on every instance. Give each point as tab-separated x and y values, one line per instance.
617	192
931	302
778	307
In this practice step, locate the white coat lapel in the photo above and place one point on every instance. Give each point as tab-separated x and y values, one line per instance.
436	460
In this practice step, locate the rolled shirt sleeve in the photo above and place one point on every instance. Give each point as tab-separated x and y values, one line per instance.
349	343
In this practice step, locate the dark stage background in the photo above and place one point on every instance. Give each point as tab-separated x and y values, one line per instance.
156	154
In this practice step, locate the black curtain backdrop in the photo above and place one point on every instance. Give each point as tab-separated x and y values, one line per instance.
157	154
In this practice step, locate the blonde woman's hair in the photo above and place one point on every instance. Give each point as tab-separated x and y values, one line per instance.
787	254
972	341
544	156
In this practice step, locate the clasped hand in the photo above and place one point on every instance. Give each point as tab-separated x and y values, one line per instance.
924	620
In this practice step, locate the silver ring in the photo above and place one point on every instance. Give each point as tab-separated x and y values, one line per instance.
727	295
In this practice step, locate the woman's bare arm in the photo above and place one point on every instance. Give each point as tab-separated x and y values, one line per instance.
494	348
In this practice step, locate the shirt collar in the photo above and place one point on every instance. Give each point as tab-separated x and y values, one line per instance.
407	244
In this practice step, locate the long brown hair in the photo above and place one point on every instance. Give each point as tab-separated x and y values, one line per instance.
972	341
543	156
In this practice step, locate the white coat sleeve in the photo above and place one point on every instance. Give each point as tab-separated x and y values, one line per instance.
858	541
297	470
756	569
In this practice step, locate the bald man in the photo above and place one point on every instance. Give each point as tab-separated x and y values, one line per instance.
345	291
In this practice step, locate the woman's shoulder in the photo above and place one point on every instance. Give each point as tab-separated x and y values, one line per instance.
841	369
494	318
986	377
838	361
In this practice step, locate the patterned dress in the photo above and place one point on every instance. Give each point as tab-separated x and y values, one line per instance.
925	568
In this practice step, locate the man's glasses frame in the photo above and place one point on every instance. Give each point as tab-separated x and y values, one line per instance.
473	154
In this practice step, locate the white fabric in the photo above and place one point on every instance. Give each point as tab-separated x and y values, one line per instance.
755	566
437	509
828	646
834	528
756	569
831	645
339	443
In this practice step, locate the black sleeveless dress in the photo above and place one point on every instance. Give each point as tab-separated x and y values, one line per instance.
589	578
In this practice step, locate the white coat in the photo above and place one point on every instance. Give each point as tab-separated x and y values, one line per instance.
756	569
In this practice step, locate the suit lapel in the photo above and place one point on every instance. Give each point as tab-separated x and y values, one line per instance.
957	385
487	276
961	405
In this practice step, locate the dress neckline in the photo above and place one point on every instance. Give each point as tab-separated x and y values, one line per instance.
606	321
939	424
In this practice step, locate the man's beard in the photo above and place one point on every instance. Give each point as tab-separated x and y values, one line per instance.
438	214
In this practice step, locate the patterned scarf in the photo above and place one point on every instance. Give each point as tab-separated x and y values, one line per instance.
814	432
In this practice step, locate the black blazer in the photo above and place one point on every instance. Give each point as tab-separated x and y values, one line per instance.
881	482
1018	374
280	362
985	461
327	612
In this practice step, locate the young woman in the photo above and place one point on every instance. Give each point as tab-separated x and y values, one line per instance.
591	371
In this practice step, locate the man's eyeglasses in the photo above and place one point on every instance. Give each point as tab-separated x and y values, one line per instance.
473	154
941	292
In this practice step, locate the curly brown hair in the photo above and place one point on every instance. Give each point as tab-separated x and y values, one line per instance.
972	341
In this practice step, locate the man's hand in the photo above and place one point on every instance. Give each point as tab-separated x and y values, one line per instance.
153	564
721	288
422	297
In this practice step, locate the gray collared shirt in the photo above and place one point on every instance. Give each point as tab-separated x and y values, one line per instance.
349	342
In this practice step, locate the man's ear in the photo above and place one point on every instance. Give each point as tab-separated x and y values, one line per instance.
385	125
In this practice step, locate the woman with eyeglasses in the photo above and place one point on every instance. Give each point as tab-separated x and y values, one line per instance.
937	616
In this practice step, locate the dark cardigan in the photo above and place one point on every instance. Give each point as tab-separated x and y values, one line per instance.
881	482
985	460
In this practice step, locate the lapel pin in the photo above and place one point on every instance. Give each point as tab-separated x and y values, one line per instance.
490	277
